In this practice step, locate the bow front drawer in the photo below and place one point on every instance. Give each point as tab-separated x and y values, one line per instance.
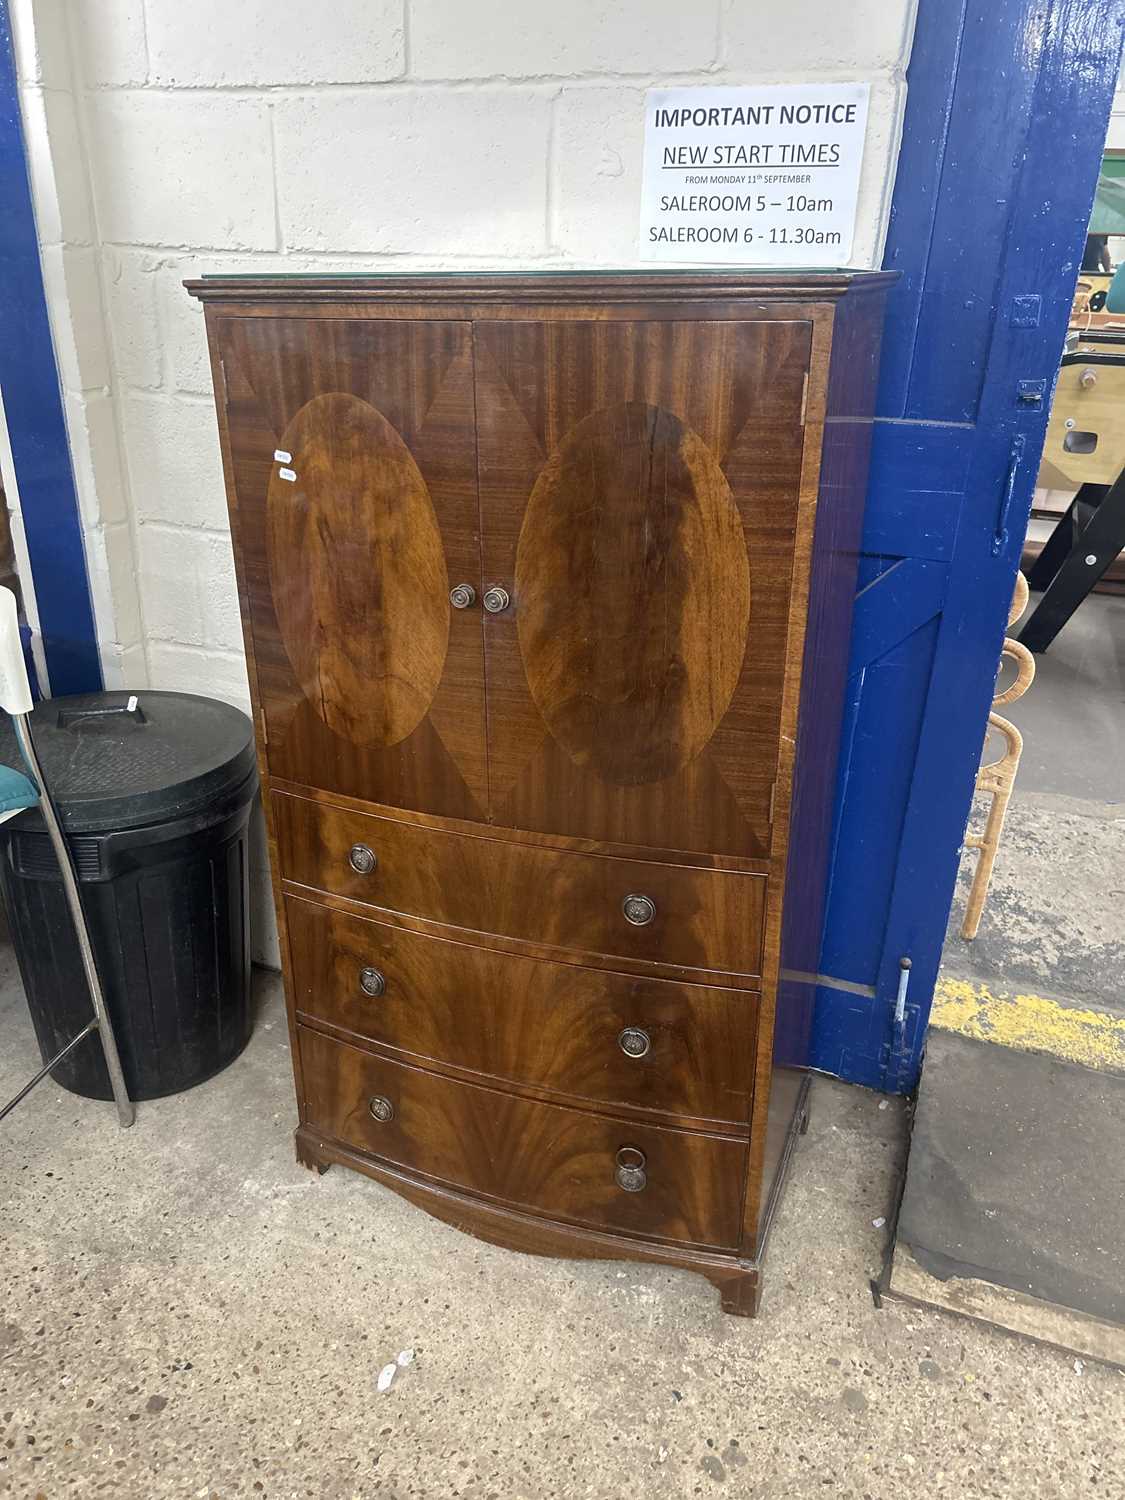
574	903
587	1168
675	1049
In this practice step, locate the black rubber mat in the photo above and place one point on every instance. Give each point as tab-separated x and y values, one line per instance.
1016	1174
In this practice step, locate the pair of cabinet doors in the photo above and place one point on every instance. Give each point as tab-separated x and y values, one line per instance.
631	486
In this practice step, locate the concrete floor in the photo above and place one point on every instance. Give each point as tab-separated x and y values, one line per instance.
1015	1177
186	1312
1072	715
1053	922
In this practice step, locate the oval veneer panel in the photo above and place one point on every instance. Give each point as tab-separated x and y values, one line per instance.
358	573
631	548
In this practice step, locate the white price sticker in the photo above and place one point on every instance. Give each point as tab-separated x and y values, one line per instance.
753	176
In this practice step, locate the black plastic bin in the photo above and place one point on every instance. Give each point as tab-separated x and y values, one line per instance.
155	799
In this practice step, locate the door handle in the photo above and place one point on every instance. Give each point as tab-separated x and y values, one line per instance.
904	967
496	600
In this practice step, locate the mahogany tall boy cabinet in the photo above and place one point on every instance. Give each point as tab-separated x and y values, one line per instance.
546	584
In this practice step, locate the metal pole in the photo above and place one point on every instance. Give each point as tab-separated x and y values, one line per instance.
91	1025
126	1113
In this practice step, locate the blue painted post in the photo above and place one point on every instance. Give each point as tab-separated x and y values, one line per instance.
1005	125
1053	173
29	381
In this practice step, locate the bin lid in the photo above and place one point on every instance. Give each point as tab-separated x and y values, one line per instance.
123	760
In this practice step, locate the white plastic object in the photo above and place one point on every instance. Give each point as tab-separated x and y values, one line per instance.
404	1358
386	1375
15	690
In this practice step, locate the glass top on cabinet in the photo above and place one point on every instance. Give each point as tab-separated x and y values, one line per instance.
523	271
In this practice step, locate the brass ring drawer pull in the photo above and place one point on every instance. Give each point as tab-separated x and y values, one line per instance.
362	859
639	910
496	600
381	1108
634	1042
371	981
462	595
630	1174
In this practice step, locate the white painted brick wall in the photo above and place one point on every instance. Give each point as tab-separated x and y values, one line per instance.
496	38
1115	136
790	41
187	589
182	169
275	42
130	300
95	456
71	279
107	40
175	469
58	165
464	170
174	137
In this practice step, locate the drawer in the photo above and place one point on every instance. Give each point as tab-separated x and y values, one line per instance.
678	1048
555	1161
701	919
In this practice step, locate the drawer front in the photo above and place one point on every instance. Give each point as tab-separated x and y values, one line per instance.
552	1160
678	1048
702	919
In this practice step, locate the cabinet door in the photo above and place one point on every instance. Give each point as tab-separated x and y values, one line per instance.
639	487
353	453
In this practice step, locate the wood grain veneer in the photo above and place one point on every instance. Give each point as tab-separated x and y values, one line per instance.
551	1026
542	1157
705	920
663	475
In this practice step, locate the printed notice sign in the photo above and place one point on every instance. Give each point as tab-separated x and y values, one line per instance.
753	176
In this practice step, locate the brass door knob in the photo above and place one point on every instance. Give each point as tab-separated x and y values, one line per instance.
381	1108
634	1042
496	600
462	595
362	859
638	910
630	1173
371	981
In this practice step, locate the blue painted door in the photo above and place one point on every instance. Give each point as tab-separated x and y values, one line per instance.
1006	117
29	384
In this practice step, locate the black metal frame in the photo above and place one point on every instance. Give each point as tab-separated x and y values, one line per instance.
99	1021
1077	555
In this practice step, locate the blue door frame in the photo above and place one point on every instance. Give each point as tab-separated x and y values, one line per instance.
29	382
1005	122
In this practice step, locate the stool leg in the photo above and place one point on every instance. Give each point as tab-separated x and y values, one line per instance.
126	1113
1101	540
982	875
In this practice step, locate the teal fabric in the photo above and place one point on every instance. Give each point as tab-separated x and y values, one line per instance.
1115	295
16	790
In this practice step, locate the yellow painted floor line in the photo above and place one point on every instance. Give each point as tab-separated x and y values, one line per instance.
1030	1023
